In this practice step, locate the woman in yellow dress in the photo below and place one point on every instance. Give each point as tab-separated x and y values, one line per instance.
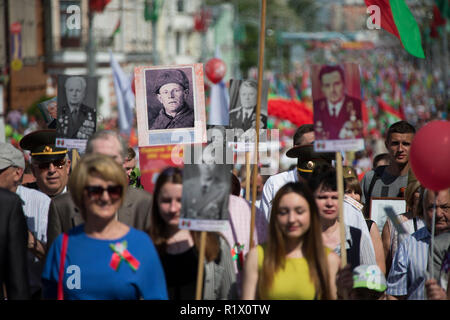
293	264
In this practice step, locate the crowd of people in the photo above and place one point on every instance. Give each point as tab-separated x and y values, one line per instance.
89	231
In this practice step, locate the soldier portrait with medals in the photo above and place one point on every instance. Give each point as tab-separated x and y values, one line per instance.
337	106
76	119
243	100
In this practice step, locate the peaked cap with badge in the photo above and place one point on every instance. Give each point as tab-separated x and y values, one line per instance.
308	158
41	143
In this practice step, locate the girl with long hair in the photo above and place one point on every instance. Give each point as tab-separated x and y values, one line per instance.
178	248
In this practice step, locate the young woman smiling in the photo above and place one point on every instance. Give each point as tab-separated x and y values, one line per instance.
293	264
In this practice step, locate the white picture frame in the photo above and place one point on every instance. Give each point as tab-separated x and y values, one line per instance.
378	212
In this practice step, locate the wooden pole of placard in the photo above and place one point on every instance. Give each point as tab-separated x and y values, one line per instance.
433	230
340	187
247	175
75	158
262	37
201	259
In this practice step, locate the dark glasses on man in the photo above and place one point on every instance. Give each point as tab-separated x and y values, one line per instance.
96	192
58	164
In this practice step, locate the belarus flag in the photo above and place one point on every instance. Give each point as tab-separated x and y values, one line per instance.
398	20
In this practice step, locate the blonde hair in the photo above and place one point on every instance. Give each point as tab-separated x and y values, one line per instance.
99	165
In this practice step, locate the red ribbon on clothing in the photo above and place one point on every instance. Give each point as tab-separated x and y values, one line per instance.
121	253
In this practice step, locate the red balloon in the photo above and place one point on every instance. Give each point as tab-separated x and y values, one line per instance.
430	155
215	70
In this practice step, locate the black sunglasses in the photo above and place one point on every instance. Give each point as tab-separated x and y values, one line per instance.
96	192
58	164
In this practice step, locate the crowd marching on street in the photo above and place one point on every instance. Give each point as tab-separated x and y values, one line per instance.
366	224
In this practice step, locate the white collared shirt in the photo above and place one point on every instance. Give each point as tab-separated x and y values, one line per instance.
336	107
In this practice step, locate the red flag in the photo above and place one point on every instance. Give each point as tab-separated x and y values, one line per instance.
397	19
296	112
98	5
365	118
389	109
438	21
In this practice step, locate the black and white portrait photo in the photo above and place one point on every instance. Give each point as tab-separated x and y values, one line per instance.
76	115
206	189
170	104
49	109
243	100
169	99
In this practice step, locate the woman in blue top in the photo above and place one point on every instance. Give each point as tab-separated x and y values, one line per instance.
105	259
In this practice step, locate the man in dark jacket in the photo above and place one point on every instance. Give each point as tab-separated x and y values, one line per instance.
13	248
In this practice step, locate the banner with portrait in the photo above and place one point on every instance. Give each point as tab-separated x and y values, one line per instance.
76	111
242	117
337	103
206	192
170	105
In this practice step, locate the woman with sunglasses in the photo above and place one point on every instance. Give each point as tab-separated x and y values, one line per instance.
293	264
103	258
178	248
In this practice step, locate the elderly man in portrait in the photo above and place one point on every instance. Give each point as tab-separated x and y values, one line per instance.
136	210
76	120
337	115
172	89
205	196
244	115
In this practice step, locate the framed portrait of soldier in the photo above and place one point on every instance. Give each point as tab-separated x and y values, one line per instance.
170	105
49	110
243	100
204	203
76	110
380	206
337	104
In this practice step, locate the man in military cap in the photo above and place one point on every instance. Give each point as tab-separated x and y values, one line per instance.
303	150
172	89
76	120
135	211
50	164
308	160
338	115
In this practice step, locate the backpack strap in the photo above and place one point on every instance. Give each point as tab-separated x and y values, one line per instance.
376	176
369	223
61	266
353	254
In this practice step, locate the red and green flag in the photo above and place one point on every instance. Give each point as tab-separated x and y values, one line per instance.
444	8
397	19
389	114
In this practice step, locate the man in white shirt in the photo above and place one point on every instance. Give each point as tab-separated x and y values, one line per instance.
307	161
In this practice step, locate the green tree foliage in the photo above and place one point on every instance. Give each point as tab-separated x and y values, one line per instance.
281	15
